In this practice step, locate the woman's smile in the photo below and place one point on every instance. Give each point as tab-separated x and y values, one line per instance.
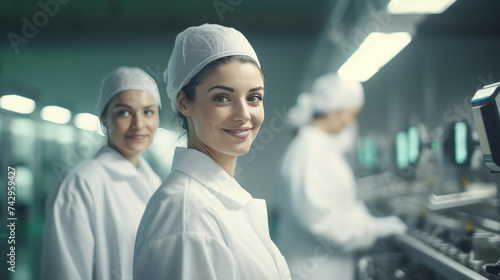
136	137
240	133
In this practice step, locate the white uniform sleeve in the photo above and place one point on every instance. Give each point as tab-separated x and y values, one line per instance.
322	199
187	255
68	244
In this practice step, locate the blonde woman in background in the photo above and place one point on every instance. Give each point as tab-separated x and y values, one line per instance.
92	217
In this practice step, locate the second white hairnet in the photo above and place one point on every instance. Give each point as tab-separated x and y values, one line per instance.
329	93
125	78
196	47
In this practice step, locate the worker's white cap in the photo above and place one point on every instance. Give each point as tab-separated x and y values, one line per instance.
196	47
329	93
125	78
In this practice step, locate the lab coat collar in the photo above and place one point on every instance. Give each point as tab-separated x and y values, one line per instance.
112	160
206	171
313	130
318	136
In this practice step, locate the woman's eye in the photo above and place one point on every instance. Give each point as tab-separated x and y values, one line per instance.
149	112
123	113
255	98
221	99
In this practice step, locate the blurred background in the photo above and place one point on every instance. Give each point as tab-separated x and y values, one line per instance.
418	86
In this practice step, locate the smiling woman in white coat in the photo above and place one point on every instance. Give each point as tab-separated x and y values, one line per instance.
93	215
201	224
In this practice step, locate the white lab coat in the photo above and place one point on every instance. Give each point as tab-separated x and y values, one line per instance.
322	222
201	224
92	218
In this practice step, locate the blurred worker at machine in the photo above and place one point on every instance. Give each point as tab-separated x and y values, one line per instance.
201	224
322	222
93	216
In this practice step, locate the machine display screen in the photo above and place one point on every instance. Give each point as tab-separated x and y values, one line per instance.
402	150
367	152
460	136
435	146
413	144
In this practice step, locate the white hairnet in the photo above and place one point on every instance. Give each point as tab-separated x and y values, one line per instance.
196	47
125	78
329	93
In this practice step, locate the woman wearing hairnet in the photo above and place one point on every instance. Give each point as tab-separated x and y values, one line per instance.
92	217
322	222
201	224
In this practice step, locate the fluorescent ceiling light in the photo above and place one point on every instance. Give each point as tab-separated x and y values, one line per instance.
375	51
18	104
419	6
87	121
56	114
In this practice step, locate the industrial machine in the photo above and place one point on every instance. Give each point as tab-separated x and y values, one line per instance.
447	196
485	109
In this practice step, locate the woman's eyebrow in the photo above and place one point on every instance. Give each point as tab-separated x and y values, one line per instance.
121	105
129	107
256	89
221	87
